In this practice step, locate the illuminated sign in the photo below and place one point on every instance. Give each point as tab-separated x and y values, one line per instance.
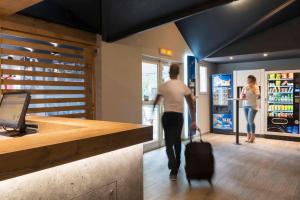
165	52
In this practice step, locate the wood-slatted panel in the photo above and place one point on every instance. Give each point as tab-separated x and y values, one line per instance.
57	100
41	83
56	109
41	56
49	92
60	73
41	47
41	74
41	65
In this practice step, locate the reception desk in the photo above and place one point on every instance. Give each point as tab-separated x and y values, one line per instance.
74	159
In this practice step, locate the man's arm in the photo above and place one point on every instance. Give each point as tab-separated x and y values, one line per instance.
192	108
157	99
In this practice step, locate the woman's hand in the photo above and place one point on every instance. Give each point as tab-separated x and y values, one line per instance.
243	93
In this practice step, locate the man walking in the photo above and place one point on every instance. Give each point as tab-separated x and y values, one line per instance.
173	93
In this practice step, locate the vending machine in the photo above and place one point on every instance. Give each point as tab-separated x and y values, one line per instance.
222	116
283	102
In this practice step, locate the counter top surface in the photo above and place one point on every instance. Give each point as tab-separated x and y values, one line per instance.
62	140
53	130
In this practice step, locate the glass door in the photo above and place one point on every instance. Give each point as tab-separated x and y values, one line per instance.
154	73
150	86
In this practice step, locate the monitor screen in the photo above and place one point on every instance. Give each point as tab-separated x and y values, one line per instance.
13	108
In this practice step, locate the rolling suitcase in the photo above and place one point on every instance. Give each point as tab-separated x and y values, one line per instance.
199	160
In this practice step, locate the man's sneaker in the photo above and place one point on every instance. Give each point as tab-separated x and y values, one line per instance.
173	175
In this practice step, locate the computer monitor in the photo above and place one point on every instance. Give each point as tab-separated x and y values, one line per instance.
13	109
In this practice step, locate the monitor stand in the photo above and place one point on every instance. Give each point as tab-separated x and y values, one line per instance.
25	129
22	130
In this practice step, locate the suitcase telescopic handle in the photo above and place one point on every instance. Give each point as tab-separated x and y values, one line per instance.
191	136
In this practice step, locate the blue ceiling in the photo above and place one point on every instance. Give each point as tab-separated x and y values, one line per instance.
80	14
121	18
207	25
213	30
116	19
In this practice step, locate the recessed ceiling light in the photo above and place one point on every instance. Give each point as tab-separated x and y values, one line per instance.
265	54
231	58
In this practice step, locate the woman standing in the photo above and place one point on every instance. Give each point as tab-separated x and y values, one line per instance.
250	93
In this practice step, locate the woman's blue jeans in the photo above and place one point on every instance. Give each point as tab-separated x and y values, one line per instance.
250	115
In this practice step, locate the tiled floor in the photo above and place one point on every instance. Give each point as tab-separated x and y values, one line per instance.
266	170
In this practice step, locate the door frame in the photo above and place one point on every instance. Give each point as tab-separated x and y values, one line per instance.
155	144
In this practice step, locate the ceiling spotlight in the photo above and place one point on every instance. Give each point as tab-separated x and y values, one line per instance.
231	58
235	2
265	54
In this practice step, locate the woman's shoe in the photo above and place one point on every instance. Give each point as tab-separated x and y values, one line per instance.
252	139
248	140
248	137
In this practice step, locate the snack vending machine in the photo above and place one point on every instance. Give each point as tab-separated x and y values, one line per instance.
222	116
283	102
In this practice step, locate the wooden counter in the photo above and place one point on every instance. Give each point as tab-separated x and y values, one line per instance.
63	140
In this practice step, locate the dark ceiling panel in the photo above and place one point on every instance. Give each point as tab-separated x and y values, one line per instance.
80	14
116	19
290	12
282	37
206	26
293	53
208	31
88	11
122	18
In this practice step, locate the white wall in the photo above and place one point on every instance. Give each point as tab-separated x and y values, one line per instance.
203	101
203	114
166	36
121	77
121	83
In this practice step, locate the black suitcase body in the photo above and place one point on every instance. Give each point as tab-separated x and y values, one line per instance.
200	162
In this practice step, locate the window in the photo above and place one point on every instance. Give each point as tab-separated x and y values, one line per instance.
203	80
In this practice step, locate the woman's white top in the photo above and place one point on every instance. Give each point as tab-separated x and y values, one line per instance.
251	95
173	93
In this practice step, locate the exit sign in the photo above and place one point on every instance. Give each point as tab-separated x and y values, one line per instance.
165	52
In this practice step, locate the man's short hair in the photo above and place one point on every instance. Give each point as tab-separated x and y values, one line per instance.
174	70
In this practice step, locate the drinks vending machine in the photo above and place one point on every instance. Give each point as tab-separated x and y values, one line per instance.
222	117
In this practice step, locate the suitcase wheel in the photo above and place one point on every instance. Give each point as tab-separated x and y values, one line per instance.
189	181
210	183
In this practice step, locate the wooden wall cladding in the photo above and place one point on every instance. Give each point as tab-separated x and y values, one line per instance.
59	72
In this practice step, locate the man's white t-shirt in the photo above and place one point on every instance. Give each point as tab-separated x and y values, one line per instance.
173	93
